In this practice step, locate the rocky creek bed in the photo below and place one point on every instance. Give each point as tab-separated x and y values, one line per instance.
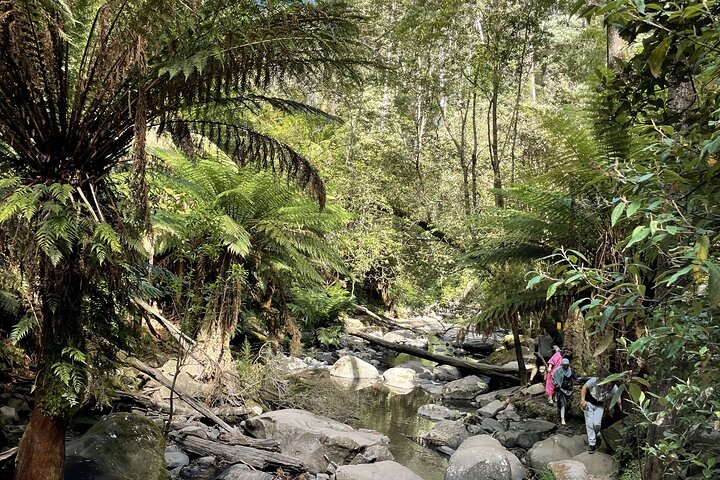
410	419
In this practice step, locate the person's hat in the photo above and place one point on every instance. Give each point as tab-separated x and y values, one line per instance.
565	361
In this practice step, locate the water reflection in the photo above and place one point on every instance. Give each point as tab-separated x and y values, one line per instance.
394	413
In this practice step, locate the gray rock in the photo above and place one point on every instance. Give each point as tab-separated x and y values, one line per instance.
376	471
484	463
598	464
445	450
175	457
317	440
209	460
466	388
449	433
322	476
555	449
431	388
439	412
445	373
568	470
491	425
488	397
536	389
352	367
242	472
508	438
9	414
492	408
509	415
118	447
534	425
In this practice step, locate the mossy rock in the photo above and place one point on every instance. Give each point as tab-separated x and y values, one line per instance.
121	446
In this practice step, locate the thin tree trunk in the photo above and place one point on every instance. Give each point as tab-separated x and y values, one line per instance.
531	78
522	371
493	140
474	157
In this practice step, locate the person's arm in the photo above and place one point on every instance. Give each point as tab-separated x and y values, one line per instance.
583	392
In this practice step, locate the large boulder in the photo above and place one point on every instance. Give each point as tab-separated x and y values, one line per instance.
484	462
555	449
439	412
376	471
480	441
121	446
399	377
568	470
352	367
466	388
448	433
598	464
317	440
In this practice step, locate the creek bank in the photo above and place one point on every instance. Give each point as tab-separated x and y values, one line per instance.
485	432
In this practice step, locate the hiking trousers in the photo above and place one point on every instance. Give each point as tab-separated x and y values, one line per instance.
593	418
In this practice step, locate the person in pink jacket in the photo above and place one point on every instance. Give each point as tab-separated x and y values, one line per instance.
552	365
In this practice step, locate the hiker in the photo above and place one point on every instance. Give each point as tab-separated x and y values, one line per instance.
593	398
563	381
543	352
552	365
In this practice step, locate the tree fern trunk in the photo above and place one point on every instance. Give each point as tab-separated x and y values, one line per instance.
41	451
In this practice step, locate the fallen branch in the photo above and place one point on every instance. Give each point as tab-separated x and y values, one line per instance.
253	457
8	454
187	398
507	374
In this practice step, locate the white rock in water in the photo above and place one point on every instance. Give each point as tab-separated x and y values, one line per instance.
350	366
400	377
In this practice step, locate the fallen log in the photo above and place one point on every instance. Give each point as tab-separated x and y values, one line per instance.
187	398
252	457
506	374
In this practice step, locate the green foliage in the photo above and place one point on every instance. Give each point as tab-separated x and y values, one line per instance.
71	373
320	310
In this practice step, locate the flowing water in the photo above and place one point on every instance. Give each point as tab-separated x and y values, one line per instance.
394	414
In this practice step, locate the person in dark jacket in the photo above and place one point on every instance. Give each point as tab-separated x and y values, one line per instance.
563	379
543	350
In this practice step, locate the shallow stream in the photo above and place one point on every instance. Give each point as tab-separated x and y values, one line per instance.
393	414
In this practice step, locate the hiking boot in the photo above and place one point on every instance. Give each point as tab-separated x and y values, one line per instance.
591	449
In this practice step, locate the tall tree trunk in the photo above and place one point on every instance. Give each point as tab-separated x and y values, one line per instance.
493	144
474	156
531	77
41	451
